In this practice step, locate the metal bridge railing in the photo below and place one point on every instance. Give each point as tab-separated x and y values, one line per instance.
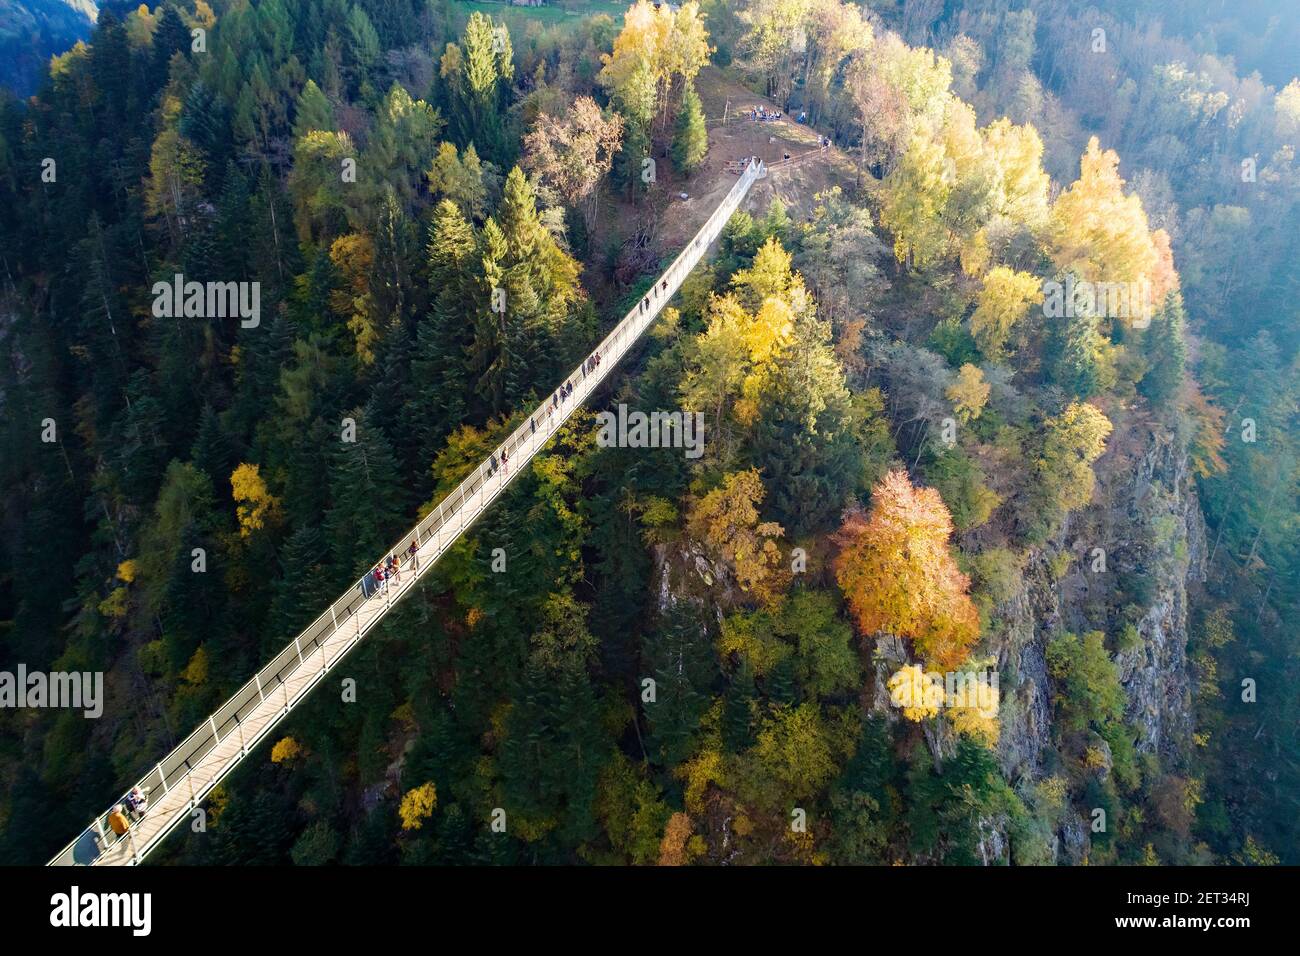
178	782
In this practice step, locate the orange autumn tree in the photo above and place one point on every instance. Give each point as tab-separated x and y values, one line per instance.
898	577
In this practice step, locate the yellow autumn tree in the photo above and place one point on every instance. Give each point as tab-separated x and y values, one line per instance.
176	170
1004	301
702	771
1074	440
972	708
968	393
658	46
975	724
286	750
767	276
417	806
749	328
255	506
726	522
195	673
1206	445
1102	234
354	257
916	192
916	693
1017	153
898	577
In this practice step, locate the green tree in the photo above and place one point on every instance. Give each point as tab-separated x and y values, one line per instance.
690	135
366	498
679	656
1165	349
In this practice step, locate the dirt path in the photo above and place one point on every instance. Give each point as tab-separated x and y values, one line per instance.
740	137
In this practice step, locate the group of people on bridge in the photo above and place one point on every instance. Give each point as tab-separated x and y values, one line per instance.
376	580
390	569
129	811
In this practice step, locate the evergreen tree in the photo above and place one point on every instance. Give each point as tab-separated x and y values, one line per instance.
679	655
313	112
1166	353
1074	344
304	587
444	337
495	354
212	452
171	36
804	440
367	499
738	710
690	135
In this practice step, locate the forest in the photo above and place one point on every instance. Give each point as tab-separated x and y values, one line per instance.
1001	388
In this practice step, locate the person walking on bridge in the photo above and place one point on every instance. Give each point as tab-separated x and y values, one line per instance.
136	802
118	822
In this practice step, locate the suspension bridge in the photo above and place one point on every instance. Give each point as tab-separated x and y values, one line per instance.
181	780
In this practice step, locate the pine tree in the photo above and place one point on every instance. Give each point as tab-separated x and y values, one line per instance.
690	134
234	220
314	111
205	121
493	361
1166	353
367	498
553	751
171	36
481	68
629	166
738	710
679	655
803	439
444	337
1074	344
271	240
780	683
212	452
304	587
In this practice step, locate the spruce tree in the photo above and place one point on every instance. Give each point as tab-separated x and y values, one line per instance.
444	336
304	587
494	358
171	36
313	112
367	498
738	710
690	134
679	654
1166	353
212	452
803	439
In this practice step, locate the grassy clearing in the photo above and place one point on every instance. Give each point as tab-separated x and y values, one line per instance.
549	14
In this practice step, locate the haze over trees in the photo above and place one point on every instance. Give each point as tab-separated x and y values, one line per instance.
932	449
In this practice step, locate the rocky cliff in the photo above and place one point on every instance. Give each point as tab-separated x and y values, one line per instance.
1132	557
